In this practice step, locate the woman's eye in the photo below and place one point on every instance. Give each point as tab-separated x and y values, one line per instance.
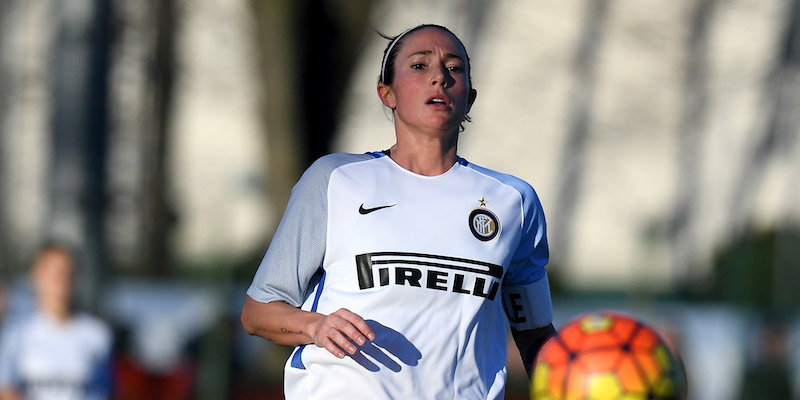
454	68
418	66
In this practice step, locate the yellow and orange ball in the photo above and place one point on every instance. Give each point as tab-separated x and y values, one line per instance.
607	356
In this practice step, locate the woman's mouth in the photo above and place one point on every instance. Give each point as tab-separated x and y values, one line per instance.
438	99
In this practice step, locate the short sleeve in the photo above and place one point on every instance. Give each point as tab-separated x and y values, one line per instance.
532	253
99	384
526	290
298	246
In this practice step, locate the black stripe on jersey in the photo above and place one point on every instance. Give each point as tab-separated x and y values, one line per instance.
365	262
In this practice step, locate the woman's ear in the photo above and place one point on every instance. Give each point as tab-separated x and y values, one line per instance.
386	94
473	94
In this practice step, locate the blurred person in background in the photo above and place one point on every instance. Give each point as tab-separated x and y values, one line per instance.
390	270
55	352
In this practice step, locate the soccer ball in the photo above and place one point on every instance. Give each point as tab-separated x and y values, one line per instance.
607	356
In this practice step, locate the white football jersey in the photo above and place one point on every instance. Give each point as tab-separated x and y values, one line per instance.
429	262
45	359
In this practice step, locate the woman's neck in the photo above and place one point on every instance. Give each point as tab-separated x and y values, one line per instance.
426	156
58	311
426	162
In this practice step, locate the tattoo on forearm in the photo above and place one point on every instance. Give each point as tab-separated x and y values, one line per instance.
284	330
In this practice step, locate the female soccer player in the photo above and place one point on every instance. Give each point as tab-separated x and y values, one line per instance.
390	270
55	353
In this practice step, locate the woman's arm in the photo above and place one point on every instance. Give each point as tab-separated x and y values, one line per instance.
286	325
529	342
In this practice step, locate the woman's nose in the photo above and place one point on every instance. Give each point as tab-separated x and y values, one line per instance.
439	76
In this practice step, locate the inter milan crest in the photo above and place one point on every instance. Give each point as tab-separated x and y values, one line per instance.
483	224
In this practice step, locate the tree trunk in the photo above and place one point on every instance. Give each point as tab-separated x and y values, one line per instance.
77	186
574	149
693	118
159	217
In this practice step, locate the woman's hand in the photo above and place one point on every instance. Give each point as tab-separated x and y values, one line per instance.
286	325
341	331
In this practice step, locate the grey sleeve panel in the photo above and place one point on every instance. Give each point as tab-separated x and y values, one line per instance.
298	246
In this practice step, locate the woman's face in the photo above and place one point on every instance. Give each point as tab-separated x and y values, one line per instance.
53	278
430	91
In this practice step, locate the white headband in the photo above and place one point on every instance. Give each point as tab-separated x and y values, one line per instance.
389	51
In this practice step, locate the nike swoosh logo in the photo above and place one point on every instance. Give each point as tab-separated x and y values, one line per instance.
365	211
